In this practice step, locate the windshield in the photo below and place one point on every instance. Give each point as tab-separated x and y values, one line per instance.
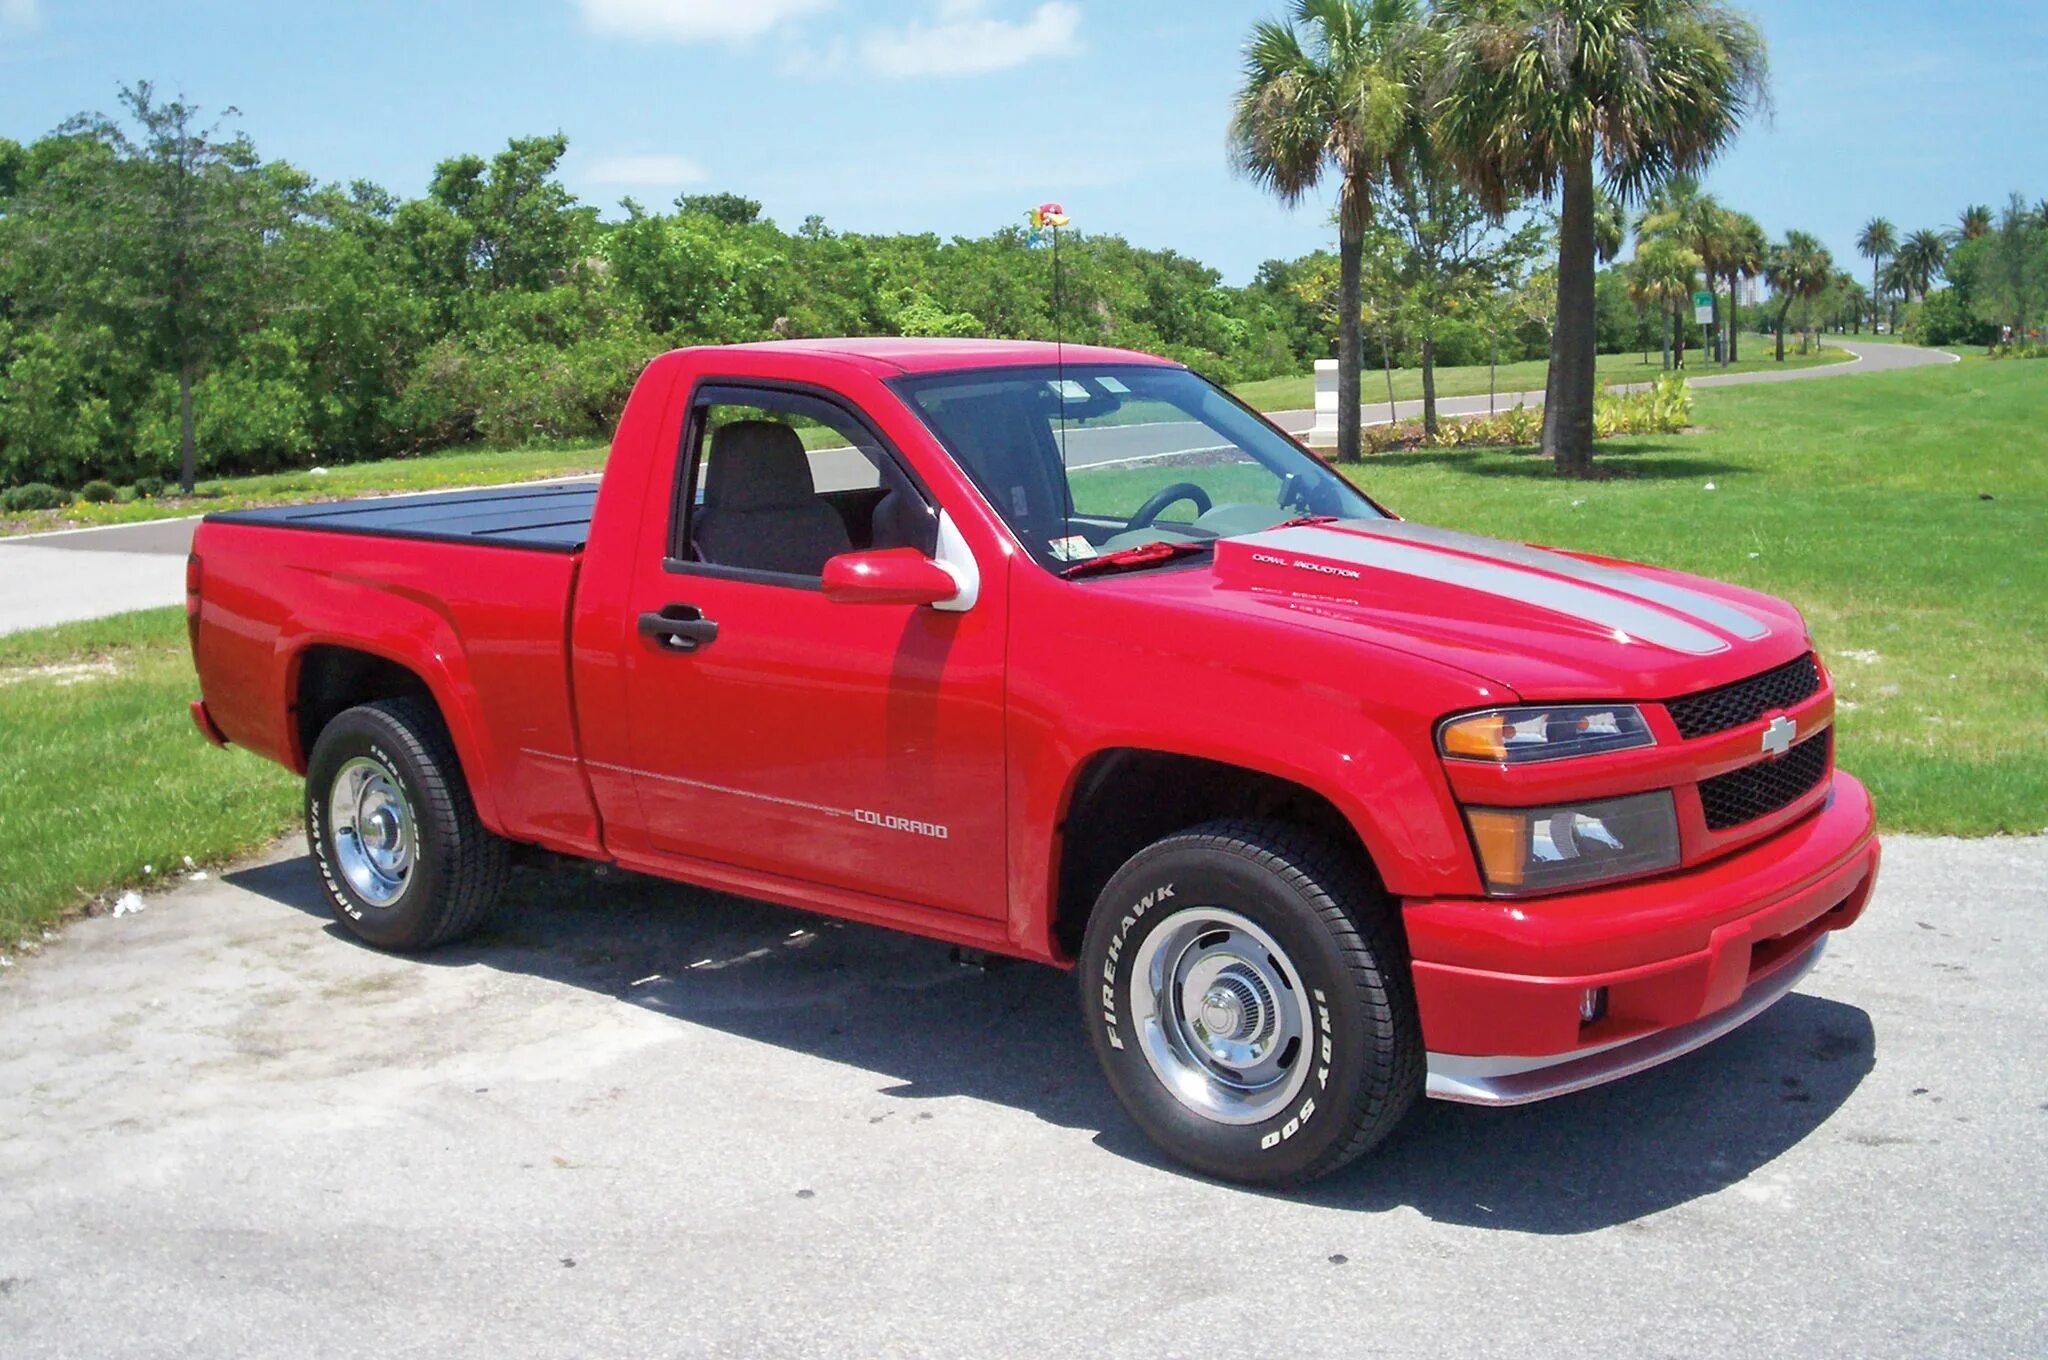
1090	460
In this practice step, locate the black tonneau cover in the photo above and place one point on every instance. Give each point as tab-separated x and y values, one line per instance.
551	518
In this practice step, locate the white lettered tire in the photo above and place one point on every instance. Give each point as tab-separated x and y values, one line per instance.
1247	991
403	858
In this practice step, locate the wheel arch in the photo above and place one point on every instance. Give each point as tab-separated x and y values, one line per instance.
326	677
1123	798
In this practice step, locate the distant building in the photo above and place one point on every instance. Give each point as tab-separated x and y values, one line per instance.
1749	292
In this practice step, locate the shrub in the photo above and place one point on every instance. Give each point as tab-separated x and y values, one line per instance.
1665	407
149	488
32	496
1945	319
98	492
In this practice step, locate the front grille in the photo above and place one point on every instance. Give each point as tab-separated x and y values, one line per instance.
1717	710
1758	790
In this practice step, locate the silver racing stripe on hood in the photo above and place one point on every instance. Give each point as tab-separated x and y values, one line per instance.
1708	610
1507	580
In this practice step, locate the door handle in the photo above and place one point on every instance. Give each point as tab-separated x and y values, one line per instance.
679	627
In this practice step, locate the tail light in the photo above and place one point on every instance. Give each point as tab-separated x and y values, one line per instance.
195	573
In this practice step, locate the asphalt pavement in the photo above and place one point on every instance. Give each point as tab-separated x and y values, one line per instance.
89	573
637	1119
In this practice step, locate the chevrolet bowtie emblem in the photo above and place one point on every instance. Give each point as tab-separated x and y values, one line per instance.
1778	736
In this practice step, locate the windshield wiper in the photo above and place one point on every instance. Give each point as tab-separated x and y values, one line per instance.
1143	555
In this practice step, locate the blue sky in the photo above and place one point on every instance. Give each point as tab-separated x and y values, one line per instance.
957	115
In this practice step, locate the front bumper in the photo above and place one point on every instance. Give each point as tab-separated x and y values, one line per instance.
1684	958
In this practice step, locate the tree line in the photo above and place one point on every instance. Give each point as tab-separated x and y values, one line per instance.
1993	265
171	303
175	306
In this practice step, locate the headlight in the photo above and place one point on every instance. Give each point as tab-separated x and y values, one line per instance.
1515	735
1524	850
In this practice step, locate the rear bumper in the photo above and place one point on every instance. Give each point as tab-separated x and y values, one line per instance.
1684	958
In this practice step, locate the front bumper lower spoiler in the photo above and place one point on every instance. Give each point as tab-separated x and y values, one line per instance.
1518	1081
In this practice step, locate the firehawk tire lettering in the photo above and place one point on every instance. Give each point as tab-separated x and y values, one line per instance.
1115	955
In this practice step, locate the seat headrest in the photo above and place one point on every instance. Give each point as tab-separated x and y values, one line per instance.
757	465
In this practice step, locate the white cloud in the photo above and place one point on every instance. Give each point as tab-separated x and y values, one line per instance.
687	20
19	14
964	40
651	171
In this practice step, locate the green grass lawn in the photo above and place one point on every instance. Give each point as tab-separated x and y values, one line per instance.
106	783
1298	393
1864	503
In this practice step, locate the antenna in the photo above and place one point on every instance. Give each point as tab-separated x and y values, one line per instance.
1050	217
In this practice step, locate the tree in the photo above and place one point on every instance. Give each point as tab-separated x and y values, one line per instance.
1975	221
159	239
1663	272
1534	93
1747	251
1333	87
1681	210
1876	243
1800	270
730	209
489	226
1453	253
2011	279
1920	260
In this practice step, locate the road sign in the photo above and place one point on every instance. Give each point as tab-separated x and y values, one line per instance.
1703	308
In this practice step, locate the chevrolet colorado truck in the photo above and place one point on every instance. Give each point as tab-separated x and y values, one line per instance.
1068	655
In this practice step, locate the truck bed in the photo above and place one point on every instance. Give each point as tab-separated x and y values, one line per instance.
550	518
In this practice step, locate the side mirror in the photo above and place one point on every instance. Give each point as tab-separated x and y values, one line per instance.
888	576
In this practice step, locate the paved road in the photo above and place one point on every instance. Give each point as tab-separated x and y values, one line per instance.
641	1120
87	573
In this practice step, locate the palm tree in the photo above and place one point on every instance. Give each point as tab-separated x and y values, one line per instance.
1850	302
1898	283
1533	94
1921	257
1974	222
1800	269
1677	209
1748	250
1878	239
1663	271
1336	86
1610	226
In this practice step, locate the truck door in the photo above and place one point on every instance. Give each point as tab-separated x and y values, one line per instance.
854	745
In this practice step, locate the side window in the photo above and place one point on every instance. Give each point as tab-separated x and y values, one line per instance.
781	482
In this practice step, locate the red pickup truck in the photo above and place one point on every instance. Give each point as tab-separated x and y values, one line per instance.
1071	656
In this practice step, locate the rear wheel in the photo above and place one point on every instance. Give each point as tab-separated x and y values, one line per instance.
1249	998
404	859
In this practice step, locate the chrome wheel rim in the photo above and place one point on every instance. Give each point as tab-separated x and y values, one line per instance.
1221	1015
374	832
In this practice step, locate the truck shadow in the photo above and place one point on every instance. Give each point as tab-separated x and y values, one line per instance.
905	1008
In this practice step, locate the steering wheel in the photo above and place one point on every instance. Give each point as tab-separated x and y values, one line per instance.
1165	496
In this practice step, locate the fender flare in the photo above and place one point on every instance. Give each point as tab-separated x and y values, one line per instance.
413	635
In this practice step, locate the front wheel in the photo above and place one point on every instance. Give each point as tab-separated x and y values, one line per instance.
1249	998
404	859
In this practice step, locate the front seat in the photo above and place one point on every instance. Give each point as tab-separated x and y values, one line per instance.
761	510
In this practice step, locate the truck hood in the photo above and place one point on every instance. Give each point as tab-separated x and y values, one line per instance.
1544	623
